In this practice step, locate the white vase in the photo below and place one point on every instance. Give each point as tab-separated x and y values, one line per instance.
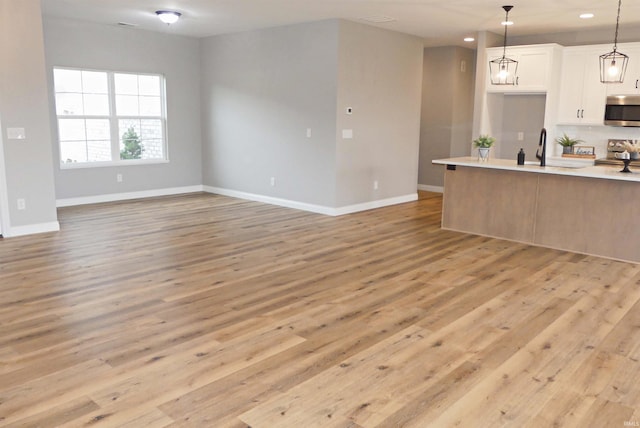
483	154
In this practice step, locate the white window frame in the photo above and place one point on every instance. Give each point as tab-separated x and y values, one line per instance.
114	123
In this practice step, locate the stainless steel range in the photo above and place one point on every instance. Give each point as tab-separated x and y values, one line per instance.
617	146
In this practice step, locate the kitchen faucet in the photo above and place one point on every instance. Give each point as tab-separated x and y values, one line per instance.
541	153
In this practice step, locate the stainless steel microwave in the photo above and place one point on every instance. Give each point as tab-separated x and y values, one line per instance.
622	110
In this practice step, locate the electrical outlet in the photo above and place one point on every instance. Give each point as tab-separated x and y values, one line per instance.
273	181
520	136
375	185
119	178
22	204
308	132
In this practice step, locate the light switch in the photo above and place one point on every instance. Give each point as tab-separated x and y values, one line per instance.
16	134
347	134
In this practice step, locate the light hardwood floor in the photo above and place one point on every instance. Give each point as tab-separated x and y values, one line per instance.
208	311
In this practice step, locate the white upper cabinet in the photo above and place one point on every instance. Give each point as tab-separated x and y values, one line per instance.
582	95
631	84
534	68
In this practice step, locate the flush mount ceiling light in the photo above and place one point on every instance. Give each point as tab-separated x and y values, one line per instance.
586	15
168	16
469	39
614	64
503	70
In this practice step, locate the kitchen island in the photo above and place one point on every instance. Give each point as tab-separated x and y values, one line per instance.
592	209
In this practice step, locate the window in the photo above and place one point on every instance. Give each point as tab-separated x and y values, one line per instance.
109	117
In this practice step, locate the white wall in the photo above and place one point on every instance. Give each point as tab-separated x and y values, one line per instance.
263	89
24	104
447	109
261	92
70	43
525	114
380	77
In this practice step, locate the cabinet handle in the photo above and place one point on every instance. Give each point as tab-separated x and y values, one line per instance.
636	83
578	114
582	114
517	80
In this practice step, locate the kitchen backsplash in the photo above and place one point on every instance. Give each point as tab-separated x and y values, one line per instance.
596	136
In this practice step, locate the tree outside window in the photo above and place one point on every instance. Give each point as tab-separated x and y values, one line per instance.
133	147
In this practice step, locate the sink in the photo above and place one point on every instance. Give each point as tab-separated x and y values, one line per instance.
561	164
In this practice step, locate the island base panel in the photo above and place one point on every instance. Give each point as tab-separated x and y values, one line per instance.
581	214
490	202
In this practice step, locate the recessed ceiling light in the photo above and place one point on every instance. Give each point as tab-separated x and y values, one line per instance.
469	39
586	15
168	16
506	23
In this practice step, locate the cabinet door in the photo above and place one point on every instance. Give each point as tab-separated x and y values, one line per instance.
533	69
631	84
594	92
571	83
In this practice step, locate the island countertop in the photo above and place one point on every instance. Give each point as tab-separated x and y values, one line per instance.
554	166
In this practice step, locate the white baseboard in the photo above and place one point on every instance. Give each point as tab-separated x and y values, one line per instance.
31	229
112	197
428	188
376	204
319	209
270	200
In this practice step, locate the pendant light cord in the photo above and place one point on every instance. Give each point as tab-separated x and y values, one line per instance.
506	19
615	39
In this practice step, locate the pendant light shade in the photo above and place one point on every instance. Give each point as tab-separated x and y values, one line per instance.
503	70
613	65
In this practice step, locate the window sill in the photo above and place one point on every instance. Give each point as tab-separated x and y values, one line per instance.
83	165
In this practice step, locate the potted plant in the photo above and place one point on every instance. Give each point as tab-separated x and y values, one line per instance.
567	143
483	143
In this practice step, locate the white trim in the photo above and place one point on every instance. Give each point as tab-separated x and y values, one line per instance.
319	209
30	229
106	164
4	192
271	200
376	204
429	188
112	197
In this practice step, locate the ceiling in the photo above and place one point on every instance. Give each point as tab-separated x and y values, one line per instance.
439	22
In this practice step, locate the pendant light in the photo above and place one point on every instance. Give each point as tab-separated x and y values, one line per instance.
503	70
613	65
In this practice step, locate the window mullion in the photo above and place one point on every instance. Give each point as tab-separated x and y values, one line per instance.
113	119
